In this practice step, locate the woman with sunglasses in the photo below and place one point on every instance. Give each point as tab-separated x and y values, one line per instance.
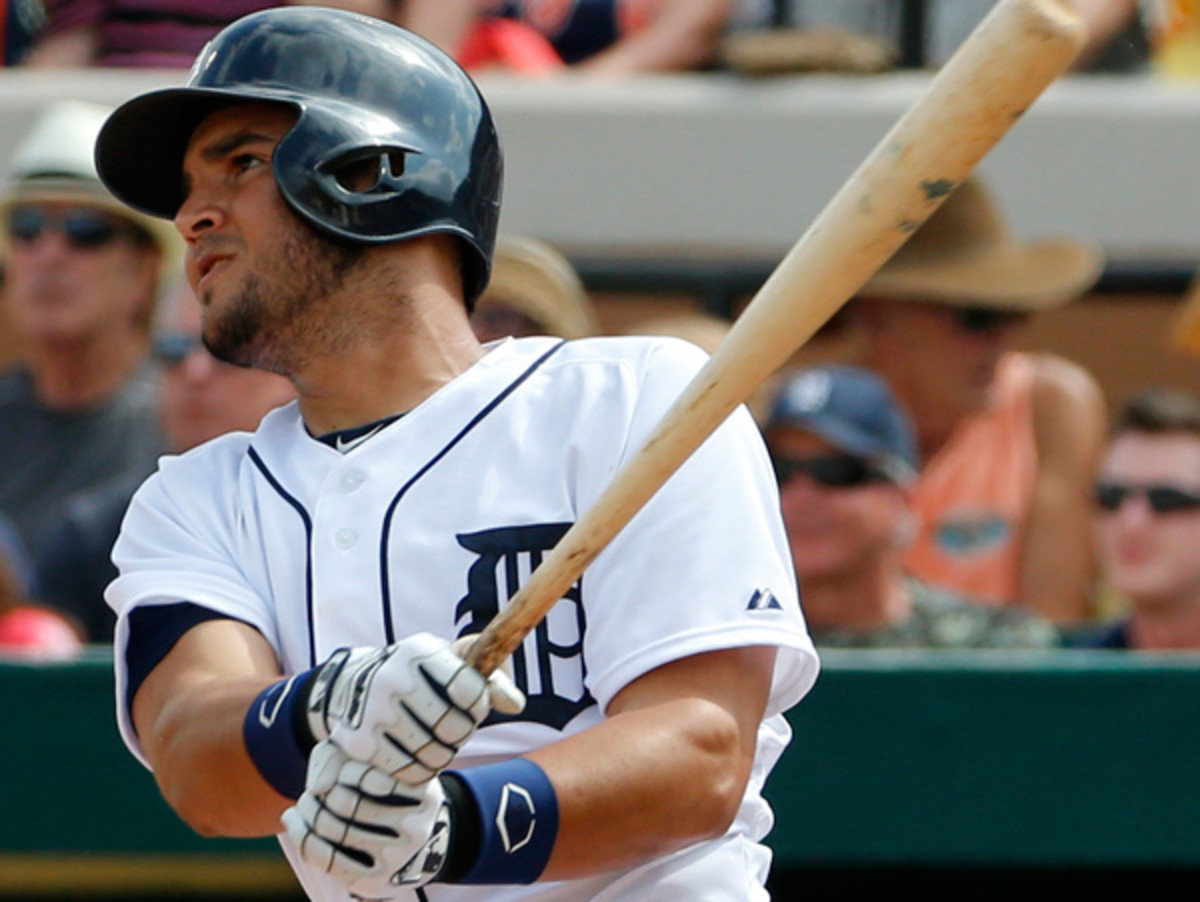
1147	520
1009	439
845	456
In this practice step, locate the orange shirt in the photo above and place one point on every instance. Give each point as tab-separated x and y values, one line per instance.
974	495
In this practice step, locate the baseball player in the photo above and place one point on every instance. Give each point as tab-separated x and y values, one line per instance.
293	604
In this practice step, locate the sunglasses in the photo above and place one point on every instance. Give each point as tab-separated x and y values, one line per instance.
173	348
83	229
982	320
832	471
1163	499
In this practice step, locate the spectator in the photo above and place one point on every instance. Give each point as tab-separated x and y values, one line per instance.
126	33
1117	34
533	290
444	22
22	21
607	37
82	277
167	34
27	629
845	455
1008	440
1117	39
200	399
1148	522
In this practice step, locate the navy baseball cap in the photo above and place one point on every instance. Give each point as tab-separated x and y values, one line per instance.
853	410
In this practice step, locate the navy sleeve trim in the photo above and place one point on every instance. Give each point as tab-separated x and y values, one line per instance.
153	632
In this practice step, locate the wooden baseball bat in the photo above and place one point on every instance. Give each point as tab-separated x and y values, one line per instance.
981	91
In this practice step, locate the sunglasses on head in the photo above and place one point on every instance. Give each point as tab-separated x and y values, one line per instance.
1163	499
171	349
81	228
834	471
980	320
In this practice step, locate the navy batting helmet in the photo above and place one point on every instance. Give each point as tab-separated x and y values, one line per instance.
367	94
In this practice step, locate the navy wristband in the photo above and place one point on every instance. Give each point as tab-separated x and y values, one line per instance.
518	821
273	738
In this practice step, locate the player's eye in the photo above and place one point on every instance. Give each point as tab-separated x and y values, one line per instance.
246	161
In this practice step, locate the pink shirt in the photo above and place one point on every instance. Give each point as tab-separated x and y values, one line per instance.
974	495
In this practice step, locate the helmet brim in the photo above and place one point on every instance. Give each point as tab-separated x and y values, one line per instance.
140	149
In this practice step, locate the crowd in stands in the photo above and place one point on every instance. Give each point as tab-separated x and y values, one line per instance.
598	37
940	490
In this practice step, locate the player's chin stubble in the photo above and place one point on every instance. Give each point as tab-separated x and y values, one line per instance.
277	321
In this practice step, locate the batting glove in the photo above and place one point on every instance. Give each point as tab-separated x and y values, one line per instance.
406	709
378	836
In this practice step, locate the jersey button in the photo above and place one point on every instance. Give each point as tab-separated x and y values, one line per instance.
345	538
352	480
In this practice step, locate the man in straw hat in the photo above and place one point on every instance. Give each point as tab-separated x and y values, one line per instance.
82	275
1009	440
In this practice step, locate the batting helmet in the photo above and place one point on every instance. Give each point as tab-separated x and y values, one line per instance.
367	93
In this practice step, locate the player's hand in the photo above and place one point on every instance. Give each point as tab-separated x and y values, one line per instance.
407	708
378	836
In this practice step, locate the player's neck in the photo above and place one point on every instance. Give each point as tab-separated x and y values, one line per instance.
389	369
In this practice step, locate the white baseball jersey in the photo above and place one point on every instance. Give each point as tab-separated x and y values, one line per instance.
433	522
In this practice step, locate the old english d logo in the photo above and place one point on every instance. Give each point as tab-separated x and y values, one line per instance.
548	666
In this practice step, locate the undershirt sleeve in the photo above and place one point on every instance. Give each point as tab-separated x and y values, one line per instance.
153	632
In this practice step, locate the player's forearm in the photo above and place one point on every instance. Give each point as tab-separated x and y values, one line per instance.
644	784
198	752
74	49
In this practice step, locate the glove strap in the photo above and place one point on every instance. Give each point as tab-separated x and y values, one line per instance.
505	821
430	861
330	698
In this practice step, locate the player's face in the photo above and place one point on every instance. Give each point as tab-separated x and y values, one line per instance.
267	282
834	531
75	272
1151	556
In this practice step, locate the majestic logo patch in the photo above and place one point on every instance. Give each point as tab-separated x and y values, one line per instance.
548	666
763	600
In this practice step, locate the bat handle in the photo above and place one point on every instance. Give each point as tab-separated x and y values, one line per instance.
487	652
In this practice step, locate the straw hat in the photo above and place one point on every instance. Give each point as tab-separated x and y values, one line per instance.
967	255
54	163
533	278
1186	330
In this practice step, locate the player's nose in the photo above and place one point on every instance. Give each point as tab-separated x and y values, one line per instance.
200	212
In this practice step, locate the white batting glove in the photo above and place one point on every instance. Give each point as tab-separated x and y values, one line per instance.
378	836
406	709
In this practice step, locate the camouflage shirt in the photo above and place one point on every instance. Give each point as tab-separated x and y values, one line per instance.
940	619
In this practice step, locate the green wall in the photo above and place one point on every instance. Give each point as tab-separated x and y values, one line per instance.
942	760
